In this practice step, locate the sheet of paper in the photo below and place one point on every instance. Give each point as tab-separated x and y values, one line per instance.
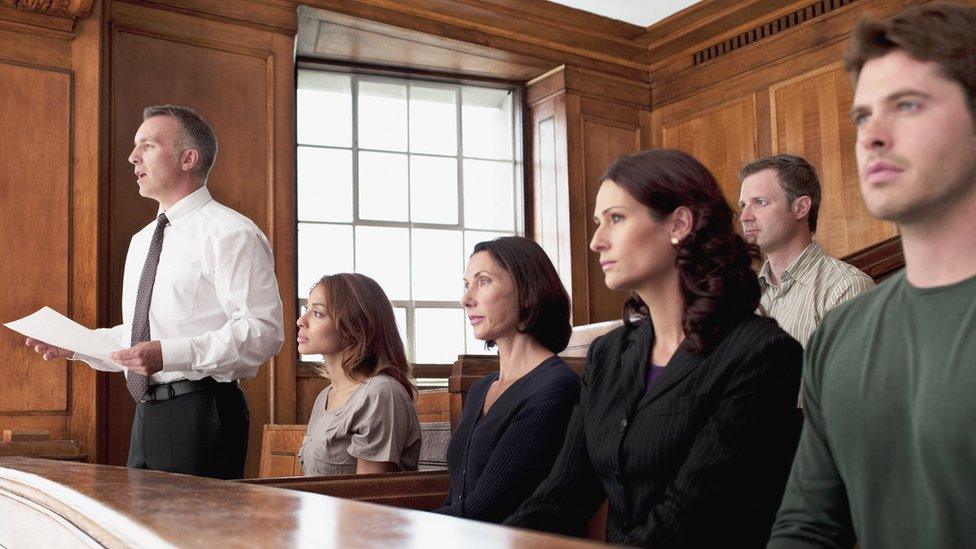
56	329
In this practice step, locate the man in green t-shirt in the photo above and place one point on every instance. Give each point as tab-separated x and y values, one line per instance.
888	452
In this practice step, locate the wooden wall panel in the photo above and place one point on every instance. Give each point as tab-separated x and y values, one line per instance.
241	80
49	126
35	179
308	389
809	116
603	140
722	138
35	186
580	121
549	183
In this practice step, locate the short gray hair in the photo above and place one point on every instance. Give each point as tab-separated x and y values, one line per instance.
196	134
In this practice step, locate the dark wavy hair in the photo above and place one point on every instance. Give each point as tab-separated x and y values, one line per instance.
714	263
542	300
363	317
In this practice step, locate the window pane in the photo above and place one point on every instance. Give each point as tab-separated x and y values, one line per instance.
439	336
489	195
322	250
433	120
383	254
324	109
383	186
382	116
437	265
433	189
324	184
487	123
473	237
400	314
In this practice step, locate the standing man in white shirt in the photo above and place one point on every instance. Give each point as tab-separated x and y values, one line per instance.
200	307
779	203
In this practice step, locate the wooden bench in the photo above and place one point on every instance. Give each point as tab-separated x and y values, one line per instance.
421	490
280	443
38	443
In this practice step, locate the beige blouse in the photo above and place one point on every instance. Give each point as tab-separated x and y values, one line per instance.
378	423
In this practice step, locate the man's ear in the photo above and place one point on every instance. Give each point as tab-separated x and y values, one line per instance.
801	207
189	159
682	222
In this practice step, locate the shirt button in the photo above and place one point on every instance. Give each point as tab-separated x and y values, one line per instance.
616	474
623	425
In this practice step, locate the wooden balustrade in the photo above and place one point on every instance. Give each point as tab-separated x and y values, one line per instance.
63	504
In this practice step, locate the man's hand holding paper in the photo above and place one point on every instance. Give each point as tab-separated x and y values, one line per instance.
57	336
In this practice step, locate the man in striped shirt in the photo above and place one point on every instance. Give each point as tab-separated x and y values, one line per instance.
779	202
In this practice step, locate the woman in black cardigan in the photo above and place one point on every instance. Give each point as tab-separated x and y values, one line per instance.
687	419
514	421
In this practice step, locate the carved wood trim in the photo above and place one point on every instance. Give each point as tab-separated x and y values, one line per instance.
767	29
72	9
422	490
880	260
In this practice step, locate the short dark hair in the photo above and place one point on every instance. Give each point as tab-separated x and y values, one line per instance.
796	176
714	263
939	32
197	134
542	300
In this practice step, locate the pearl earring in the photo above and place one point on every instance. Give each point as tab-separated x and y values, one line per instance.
674	241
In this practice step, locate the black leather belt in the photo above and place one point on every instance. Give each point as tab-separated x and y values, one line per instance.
167	391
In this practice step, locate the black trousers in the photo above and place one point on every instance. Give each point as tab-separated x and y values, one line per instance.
202	433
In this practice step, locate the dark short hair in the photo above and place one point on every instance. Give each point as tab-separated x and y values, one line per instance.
939	32
714	263
542	300
796	176
196	134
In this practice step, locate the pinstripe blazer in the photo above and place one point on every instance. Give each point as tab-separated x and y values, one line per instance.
699	460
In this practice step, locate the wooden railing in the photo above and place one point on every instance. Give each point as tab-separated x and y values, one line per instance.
63	504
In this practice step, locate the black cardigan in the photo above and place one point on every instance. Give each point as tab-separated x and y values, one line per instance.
497	460
699	460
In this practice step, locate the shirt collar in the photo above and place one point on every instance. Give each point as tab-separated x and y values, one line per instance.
799	270
184	207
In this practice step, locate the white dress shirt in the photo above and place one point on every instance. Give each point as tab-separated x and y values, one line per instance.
215	306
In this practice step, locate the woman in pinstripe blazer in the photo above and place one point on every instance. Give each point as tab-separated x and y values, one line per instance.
686	420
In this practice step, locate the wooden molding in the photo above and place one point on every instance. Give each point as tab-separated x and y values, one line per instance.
279	16
880	260
52	17
71	9
588	83
768	29
502	26
421	490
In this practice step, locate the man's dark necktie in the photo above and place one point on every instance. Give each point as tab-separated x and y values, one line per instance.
138	383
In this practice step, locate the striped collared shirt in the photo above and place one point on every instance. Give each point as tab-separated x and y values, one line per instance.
813	284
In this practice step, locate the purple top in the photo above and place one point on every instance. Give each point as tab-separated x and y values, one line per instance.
653	373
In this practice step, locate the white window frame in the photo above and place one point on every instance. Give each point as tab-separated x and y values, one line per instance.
518	188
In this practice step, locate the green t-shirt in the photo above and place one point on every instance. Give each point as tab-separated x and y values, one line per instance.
888	451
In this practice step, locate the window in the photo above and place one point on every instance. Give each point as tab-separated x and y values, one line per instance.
399	179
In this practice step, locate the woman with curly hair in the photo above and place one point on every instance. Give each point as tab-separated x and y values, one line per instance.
365	420
686	420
